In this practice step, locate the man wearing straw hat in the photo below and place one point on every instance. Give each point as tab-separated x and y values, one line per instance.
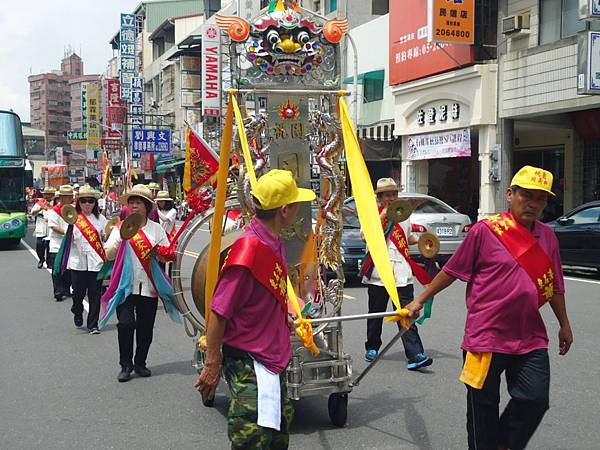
61	282
387	191
249	321
511	264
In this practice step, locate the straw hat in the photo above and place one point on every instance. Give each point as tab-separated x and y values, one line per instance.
139	190
163	196
153	186
65	190
386	185
87	191
48	190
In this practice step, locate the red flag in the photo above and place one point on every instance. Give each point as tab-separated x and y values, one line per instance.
201	162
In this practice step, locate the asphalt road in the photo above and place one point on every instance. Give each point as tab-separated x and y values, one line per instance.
58	386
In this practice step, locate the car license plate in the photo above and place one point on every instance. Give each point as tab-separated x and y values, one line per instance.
444	231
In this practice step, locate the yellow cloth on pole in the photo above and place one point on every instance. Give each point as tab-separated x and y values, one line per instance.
243	141
368	213
476	369
214	252
187	168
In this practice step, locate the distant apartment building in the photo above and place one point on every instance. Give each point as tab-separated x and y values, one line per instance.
50	100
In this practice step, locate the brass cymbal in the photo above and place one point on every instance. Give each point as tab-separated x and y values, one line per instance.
399	210
429	245
69	214
130	226
110	225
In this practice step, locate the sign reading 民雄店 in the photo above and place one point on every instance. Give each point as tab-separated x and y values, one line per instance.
447	144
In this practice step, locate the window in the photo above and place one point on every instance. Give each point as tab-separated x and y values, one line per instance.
559	19
380	7
331	6
589	215
373	83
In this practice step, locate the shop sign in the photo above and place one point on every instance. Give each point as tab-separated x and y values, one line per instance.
412	56
75	135
440	114
452	21
588	63
127	54
211	70
93	116
84	106
111	145
589	9
137	102
447	144
151	141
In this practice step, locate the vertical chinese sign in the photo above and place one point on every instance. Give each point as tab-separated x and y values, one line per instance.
93	116
211	71
127	52
83	106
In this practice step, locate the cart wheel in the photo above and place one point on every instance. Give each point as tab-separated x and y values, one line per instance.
338	409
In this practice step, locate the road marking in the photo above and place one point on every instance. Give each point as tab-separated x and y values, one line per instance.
86	305
582	280
349	297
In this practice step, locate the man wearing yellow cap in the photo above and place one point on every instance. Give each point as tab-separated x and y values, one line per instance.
511	264
249	321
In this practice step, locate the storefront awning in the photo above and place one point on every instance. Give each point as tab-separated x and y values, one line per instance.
377	132
373	75
380	150
166	165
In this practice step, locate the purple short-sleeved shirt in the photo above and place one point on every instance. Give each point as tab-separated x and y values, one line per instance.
256	322
502	301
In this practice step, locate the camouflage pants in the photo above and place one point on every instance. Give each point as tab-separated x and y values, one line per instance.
243	431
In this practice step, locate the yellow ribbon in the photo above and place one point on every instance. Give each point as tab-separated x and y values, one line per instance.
368	214
303	326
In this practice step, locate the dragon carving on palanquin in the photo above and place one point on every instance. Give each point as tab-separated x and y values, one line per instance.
282	41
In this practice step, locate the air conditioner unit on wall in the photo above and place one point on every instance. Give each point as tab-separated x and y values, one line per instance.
516	24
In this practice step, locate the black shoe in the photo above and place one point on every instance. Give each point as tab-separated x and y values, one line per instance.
124	374
59	298
78	321
41	265
142	371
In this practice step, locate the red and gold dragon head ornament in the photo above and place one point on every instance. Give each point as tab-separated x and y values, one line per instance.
282	41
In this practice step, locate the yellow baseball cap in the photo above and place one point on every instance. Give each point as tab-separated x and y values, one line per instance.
530	177
277	188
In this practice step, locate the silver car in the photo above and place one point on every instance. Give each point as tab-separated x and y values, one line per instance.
431	215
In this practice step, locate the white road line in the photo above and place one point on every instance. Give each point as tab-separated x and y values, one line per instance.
582	280
86	305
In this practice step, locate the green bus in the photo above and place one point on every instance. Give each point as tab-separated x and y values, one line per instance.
13	201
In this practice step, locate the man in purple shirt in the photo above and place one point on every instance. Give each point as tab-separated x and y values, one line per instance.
504	329
249	321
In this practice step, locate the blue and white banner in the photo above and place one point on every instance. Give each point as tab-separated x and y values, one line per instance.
151	141
127	54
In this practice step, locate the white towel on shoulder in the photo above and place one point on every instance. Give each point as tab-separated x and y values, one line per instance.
269	397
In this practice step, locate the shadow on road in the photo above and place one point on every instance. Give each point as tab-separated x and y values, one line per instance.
176	367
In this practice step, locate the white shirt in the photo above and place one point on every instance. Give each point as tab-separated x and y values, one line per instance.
83	256
402	271
167	219
140	283
55	220
41	223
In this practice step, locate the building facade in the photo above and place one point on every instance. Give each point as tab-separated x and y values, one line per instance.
544	120
50	100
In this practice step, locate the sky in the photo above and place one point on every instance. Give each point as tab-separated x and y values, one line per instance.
35	34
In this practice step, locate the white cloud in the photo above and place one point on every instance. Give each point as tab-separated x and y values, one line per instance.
35	34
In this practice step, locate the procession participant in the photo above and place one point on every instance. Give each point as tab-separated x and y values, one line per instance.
249	321
154	188
397	237
511	264
39	211
136	283
86	257
166	212
61	281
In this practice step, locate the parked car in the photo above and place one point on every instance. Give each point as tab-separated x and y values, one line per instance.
429	215
578	234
